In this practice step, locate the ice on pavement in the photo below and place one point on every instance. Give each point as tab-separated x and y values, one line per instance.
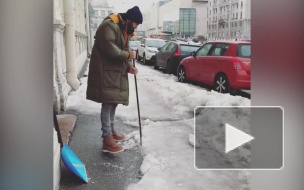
191	140
166	108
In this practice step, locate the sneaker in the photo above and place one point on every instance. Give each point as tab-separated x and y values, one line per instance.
109	145
118	137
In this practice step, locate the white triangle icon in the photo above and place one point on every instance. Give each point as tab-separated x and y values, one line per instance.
235	138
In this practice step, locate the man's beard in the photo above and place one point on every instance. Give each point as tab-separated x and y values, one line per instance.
130	28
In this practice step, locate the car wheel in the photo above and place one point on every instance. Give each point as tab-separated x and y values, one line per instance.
181	74
137	56
221	84
155	64
168	67
144	60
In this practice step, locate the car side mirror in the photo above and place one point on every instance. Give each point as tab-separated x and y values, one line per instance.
192	54
159	49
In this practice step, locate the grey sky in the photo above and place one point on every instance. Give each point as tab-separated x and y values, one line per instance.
124	5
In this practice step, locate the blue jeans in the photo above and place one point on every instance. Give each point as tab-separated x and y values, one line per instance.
107	118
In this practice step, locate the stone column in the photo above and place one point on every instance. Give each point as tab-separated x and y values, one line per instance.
60	85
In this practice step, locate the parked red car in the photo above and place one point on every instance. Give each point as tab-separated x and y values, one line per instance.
224	65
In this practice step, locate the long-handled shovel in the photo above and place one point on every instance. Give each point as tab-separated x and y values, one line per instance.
69	158
137	106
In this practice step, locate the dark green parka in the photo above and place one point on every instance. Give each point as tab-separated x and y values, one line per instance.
108	69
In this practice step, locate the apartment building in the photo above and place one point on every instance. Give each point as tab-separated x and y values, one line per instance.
229	19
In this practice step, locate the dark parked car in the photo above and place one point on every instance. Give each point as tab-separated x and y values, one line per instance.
171	54
224	65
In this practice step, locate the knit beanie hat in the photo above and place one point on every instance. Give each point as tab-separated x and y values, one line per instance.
134	15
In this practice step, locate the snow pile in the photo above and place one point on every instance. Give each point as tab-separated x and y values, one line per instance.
148	161
184	97
210	128
191	141
77	100
132	141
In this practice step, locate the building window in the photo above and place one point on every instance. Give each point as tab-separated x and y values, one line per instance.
236	16
241	4
236	24
102	13
187	21
241	15
240	23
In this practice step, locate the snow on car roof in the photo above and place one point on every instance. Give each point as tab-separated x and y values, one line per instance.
154	39
231	42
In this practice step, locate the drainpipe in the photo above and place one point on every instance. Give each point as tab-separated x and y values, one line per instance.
88	27
70	40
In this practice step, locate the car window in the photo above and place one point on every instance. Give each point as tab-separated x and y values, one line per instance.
155	43
204	50
244	50
219	49
185	49
175	47
170	48
165	46
134	43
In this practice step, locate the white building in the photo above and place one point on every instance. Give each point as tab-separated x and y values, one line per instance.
101	11
178	17
229	19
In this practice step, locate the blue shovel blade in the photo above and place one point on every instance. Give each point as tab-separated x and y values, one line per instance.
73	163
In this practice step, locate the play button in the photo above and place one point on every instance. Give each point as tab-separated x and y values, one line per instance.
224	138
235	138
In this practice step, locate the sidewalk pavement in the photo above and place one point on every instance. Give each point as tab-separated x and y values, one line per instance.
104	170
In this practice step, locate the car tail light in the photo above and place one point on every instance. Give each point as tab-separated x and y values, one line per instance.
238	65
177	54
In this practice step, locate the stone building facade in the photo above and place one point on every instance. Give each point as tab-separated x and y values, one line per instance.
70	48
229	19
